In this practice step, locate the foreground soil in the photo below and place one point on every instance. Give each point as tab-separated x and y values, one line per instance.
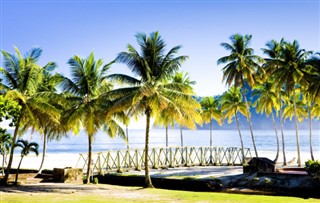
59	192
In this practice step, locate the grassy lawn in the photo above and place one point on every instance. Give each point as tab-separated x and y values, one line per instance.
136	194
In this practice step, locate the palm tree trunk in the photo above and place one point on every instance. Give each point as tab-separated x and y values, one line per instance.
89	158
296	125
147	183
281	128
250	124
167	136
310	128
3	158
242	148
14	139
127	133
181	136
210	133
16	181
43	150
277	137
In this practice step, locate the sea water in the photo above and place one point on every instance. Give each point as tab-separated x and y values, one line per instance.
265	141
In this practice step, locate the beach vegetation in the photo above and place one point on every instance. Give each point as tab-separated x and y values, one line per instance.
22	76
86	90
231	104
5	142
152	91
241	66
26	148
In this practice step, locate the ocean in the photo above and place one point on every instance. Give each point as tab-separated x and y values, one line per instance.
265	141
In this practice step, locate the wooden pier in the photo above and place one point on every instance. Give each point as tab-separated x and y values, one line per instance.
133	159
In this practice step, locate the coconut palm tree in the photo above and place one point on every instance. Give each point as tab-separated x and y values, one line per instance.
267	102
273	50
240	69
26	148
86	90
232	104
313	94
22	77
210	111
184	84
292	72
151	93
5	141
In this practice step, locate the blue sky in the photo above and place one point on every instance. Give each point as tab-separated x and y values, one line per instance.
65	28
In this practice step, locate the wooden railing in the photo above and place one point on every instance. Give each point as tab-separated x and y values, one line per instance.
163	157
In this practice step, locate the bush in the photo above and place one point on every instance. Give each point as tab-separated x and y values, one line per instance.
313	169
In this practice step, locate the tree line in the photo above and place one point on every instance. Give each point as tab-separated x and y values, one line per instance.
285	82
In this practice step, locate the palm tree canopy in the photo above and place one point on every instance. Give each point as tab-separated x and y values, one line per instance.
152	91
27	147
210	110
241	63
86	93
292	68
267	99
231	103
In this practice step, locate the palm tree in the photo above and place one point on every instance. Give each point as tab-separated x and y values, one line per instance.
86	91
184	84
165	119
273	51
26	148
5	140
240	69
313	94
22	77
267	102
231	104
209	111
292	72
151	93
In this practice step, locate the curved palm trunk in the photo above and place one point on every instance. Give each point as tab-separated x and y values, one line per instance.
44	150
310	135
147	182
277	137
281	128
89	158
14	139
250	124
242	148
296	125
16	181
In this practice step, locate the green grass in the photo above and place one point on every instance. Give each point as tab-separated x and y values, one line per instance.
136	194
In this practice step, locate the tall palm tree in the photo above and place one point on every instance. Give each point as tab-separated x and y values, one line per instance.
273	50
292	72
86	90
267	102
22	77
232	104
313	93
210	111
151	92
184	84
240	69
5	141
26	148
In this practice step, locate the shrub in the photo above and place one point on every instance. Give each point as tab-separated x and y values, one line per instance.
313	169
